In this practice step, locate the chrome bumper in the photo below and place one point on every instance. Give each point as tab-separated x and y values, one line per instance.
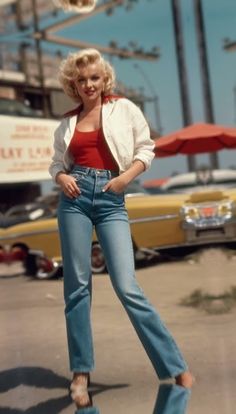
215	229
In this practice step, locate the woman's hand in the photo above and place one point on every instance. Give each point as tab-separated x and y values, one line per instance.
117	184
68	185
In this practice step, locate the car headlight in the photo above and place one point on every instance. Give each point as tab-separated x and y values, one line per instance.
226	208
190	212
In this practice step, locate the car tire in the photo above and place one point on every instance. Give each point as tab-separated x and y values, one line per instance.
98	263
40	267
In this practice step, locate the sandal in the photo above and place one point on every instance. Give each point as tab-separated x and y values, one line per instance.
79	392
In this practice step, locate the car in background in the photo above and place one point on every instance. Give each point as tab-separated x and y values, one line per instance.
154	186
208	214
25	230
13	107
201	180
190	214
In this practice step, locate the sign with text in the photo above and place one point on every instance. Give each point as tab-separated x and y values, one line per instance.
26	148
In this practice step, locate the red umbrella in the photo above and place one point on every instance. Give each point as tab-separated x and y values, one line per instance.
196	139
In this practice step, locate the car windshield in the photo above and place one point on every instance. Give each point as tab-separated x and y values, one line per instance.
190	189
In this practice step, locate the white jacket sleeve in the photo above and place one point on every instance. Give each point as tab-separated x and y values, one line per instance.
57	163
143	144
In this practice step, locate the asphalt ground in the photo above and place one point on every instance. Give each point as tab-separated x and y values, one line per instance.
34	374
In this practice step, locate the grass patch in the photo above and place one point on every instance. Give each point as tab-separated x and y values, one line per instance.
213	304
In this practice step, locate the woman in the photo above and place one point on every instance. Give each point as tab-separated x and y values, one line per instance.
100	147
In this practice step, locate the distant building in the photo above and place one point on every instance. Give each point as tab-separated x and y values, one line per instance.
26	76
22	80
17	14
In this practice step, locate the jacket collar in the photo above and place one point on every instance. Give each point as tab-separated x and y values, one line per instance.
107	108
108	104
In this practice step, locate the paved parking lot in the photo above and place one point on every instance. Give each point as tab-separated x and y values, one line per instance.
34	371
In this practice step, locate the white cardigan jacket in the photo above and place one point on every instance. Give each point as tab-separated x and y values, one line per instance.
125	130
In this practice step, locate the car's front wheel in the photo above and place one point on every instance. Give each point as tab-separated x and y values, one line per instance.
41	267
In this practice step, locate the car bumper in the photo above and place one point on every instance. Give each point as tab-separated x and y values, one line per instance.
213	229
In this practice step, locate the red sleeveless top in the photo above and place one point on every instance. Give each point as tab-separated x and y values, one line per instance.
89	149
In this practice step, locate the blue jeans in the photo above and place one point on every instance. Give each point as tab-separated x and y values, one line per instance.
106	211
172	399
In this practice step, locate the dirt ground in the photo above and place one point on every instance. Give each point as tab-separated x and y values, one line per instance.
33	355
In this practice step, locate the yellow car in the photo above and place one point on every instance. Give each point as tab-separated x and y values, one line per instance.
174	220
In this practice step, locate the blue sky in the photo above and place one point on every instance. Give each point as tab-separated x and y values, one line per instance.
149	24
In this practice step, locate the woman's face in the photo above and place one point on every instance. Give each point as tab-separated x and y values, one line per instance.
90	82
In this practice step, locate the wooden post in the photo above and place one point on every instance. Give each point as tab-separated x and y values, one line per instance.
182	72
205	74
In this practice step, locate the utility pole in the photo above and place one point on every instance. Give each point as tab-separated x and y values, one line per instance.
234	97
205	74
154	97
182	72
40	59
230	46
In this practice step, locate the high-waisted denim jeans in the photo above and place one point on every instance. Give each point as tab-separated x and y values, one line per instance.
106	211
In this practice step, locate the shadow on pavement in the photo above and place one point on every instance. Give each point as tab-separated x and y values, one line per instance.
42	378
33	376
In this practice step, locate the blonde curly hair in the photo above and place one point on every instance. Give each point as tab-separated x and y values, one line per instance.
70	68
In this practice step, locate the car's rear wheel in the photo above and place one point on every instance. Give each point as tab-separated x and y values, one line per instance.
98	263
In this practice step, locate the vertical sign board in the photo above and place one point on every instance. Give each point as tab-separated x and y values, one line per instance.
26	148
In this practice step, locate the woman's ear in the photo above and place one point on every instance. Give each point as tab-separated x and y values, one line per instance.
78	6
